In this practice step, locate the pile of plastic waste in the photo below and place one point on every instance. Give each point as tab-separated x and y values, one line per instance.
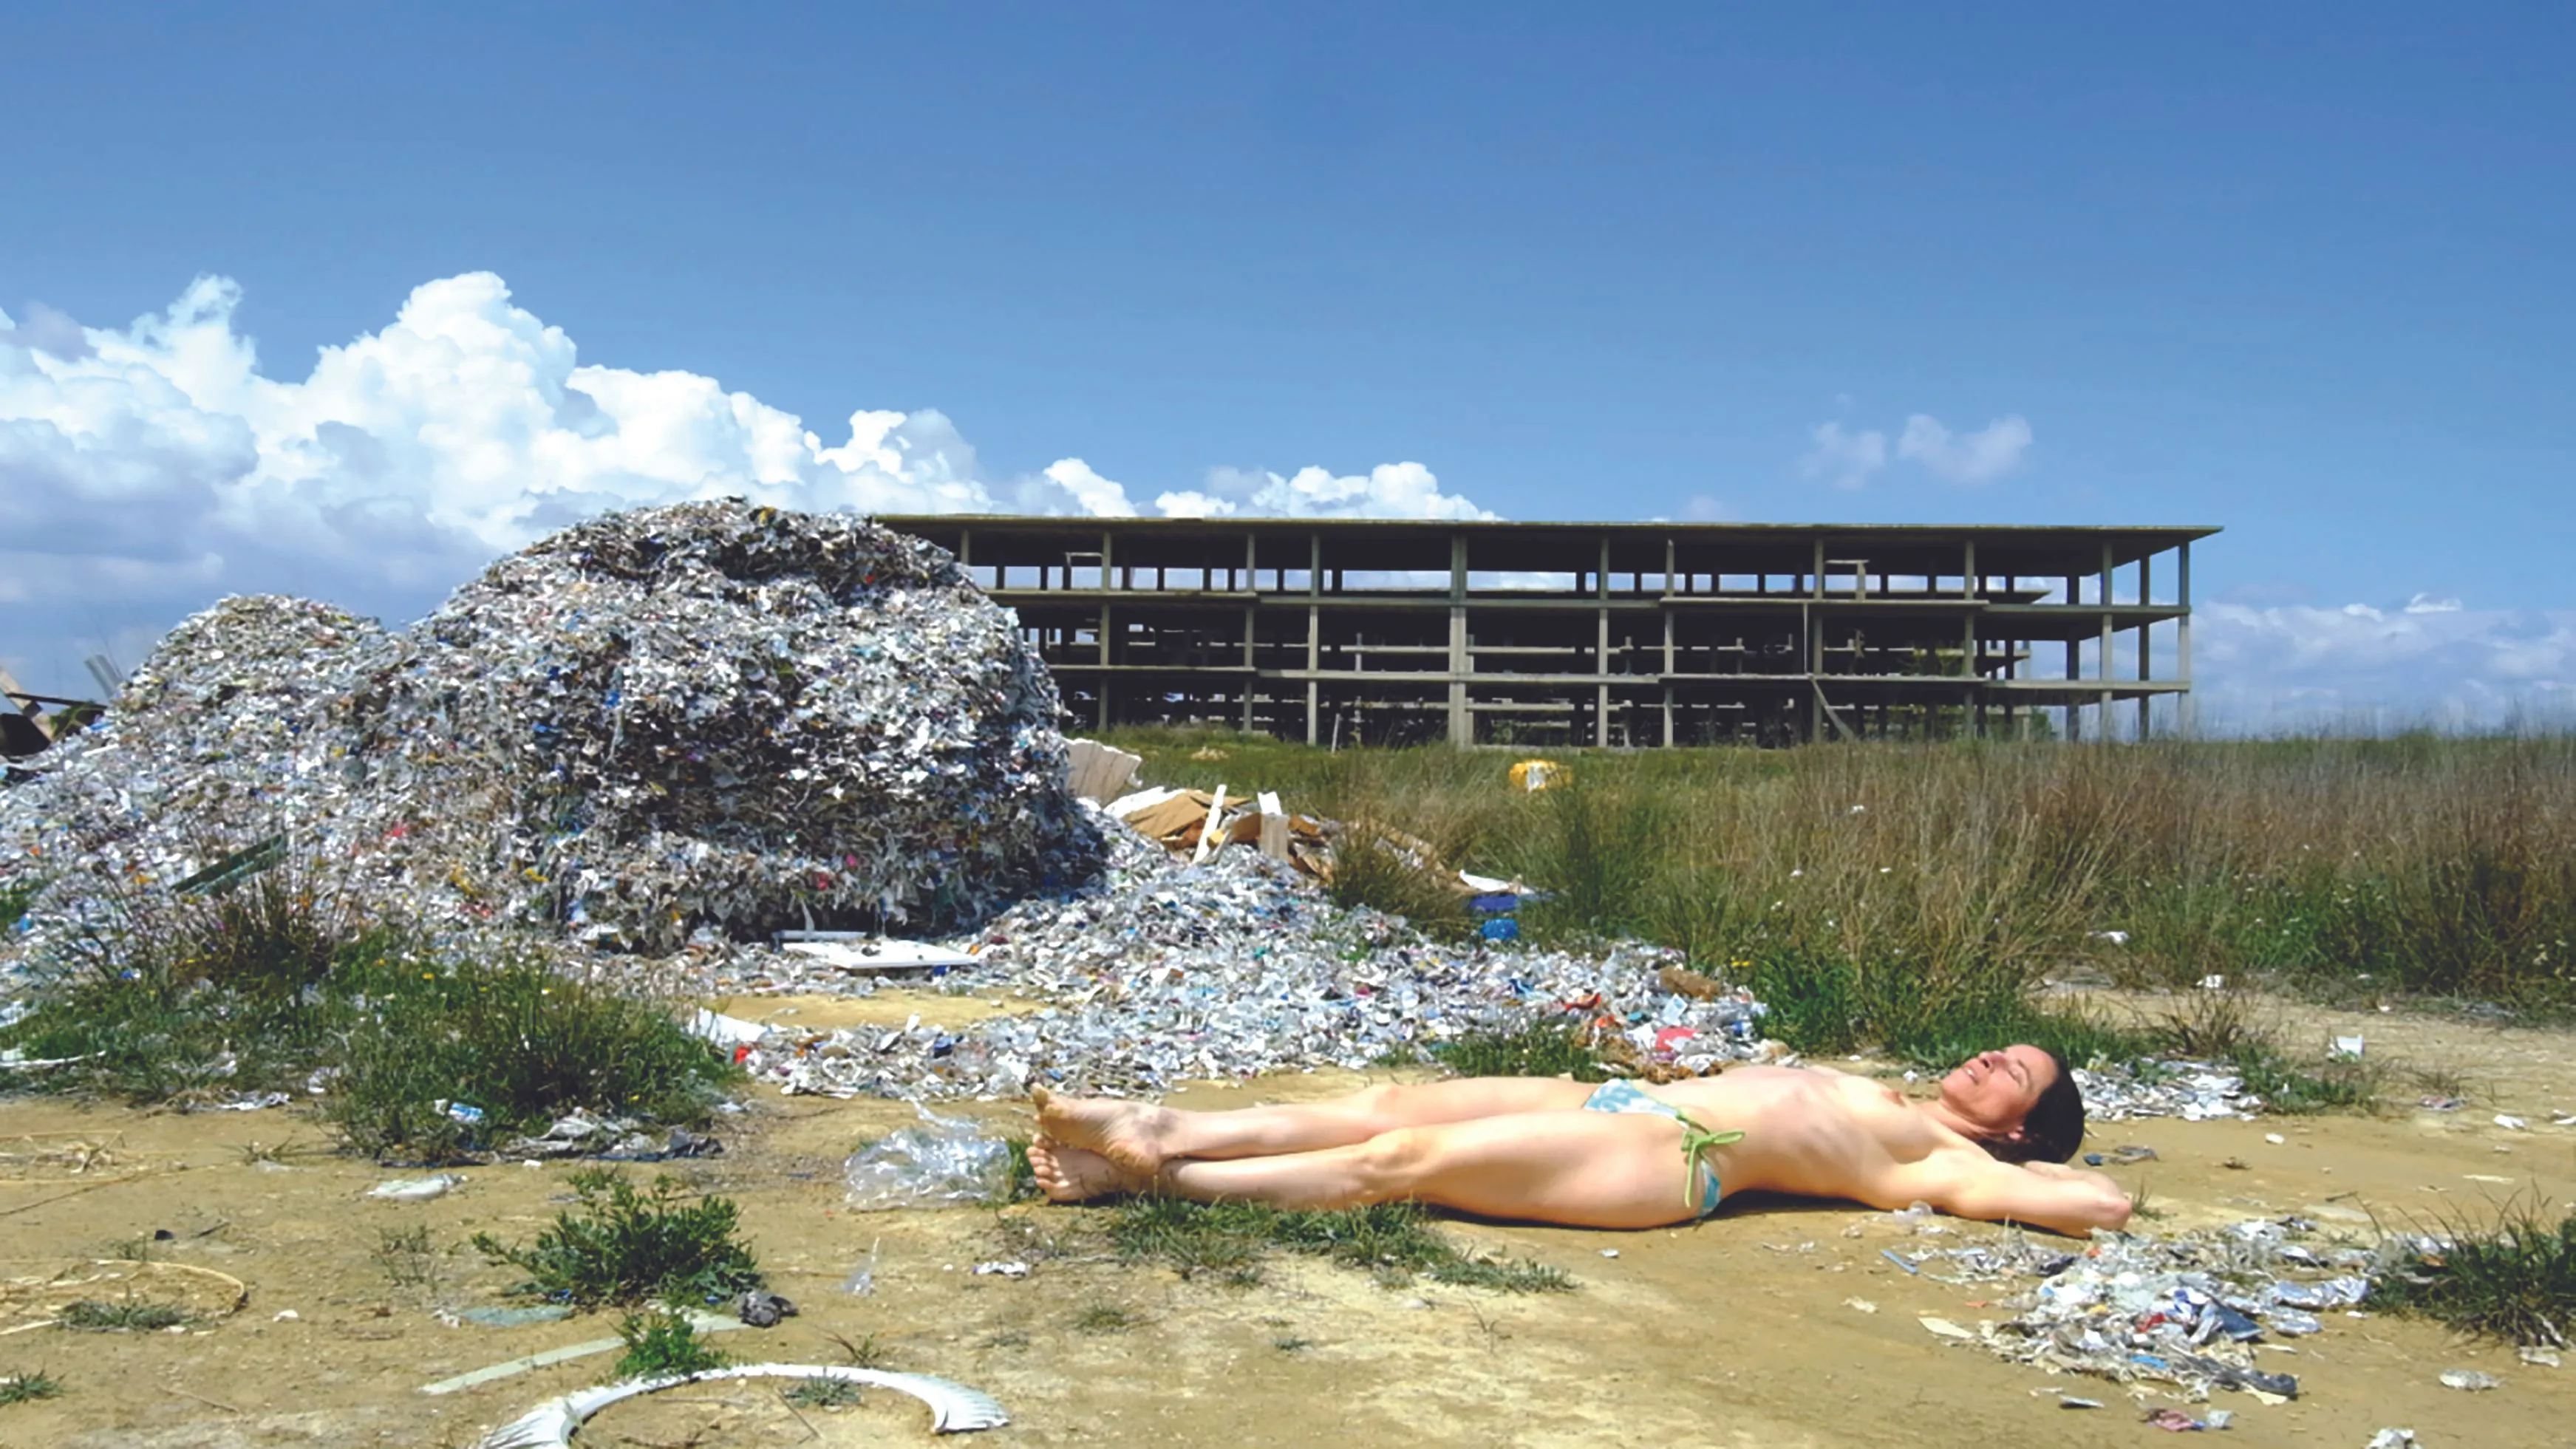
1161	971
660	722
2192	1091
2193	1311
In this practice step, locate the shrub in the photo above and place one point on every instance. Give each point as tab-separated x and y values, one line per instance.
627	1247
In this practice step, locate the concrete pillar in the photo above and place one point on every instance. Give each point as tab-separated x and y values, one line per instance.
1314	628
2146	596
1462	722
2190	712
2102	664
1601	650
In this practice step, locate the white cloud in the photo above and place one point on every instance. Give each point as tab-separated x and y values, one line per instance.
144	470
1389	490
1979	457
1708	508
1844	460
2292	666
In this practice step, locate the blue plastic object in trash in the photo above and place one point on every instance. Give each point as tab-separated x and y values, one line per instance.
1501	928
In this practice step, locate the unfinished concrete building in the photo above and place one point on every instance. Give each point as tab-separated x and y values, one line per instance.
1616	634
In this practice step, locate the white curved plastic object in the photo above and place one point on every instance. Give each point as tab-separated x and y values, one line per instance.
954	1408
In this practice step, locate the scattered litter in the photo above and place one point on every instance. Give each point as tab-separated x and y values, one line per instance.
2345	1049
2128	1155
863	1278
1944	1328
286	1315
2510	1123
515	1317
2116	938
2438	1104
2470	1380
1861	1304
942	1163
2187	1310
954	1408
414	1189
2070	1401
870	954
2176	1421
1536	775
581	1133
2392	1439
2275	1138
762	1309
1609	1252
1891	1255
2193	1091
2538	1357
699	1320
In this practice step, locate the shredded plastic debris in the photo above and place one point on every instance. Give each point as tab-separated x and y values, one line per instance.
2193	1091
2186	1310
709	717
1161	971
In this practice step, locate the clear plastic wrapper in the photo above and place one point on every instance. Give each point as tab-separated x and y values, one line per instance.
944	1162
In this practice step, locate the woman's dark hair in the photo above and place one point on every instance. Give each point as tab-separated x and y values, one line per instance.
2054	1127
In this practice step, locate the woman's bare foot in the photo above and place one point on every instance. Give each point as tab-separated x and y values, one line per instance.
1134	1135
1072	1174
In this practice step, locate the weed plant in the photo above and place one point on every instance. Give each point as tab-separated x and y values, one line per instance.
15	897
1540	1049
662	1344
519	1043
20	1388
2514	1280
260	987
821	1394
1394	1241
624	1246
125	1315
1906	893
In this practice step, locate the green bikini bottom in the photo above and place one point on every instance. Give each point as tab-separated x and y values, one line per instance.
1617	1096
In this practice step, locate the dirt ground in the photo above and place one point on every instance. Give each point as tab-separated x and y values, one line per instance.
1741	1331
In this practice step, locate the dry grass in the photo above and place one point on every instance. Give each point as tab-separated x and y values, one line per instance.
2422	866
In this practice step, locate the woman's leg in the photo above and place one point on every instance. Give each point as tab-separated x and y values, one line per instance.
1580	1169
1140	1136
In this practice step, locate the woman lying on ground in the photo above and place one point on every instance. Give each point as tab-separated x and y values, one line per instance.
1616	1155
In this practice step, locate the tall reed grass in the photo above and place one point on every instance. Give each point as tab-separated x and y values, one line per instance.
1909	893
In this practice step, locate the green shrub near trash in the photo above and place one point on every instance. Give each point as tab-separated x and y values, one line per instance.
420	1053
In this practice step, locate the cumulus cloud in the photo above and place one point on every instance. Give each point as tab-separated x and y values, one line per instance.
1972	458
1389	490
145	470
1844	460
2433	662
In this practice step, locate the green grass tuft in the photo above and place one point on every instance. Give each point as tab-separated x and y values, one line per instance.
1393	1240
662	1344
626	1247
521	1043
822	1394
258	988
125	1315
2514	1280
1540	1049
20	1388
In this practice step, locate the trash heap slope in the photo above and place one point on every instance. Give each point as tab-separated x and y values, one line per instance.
658	723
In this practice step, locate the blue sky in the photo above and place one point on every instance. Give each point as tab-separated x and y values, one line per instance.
2301	273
